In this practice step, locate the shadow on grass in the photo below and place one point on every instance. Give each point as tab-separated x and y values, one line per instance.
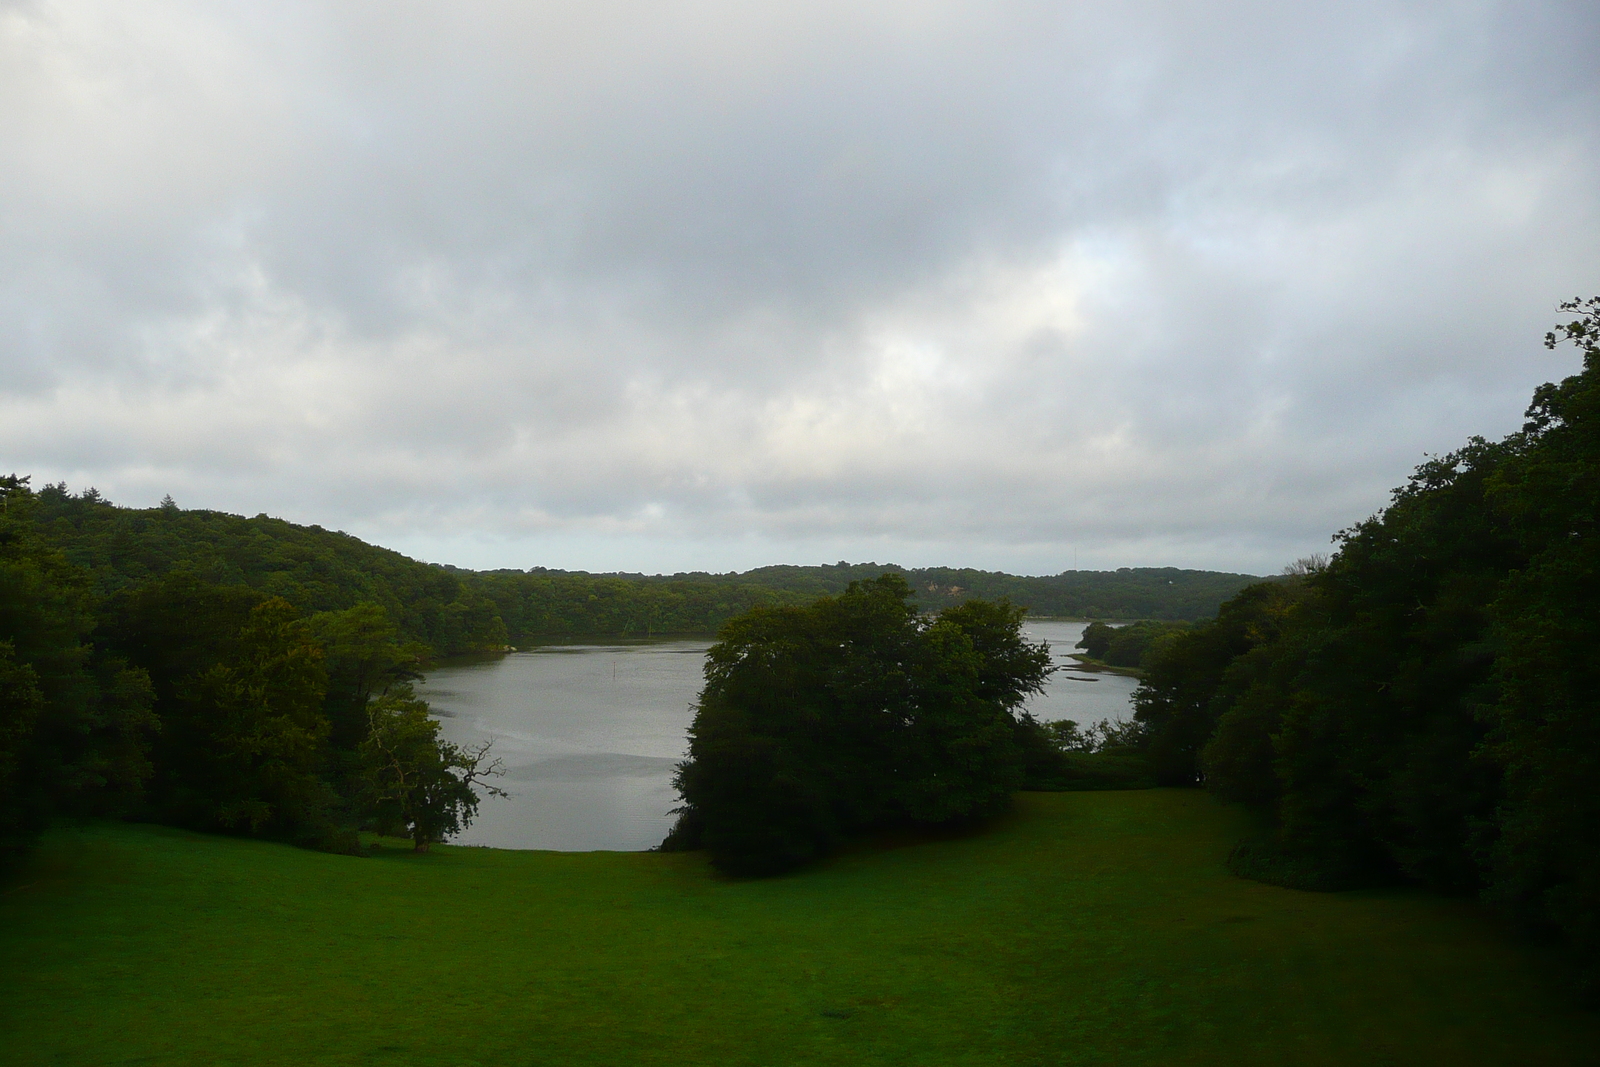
1112	768
1262	858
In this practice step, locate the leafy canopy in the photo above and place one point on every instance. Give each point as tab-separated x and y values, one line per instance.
852	714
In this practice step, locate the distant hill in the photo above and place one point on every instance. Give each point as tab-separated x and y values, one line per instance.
1125	593
314	569
454	610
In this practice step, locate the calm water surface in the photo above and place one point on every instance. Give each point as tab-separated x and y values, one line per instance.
589	734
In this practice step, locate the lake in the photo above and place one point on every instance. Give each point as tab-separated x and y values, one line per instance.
590	733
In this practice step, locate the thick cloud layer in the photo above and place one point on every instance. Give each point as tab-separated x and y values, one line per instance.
711	284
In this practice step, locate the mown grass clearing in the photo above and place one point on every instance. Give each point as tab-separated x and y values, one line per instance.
1087	928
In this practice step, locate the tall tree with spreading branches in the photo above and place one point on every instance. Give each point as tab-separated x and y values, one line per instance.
420	784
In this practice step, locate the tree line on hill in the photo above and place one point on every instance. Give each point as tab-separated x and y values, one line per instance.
454	611
1425	706
1125	593
250	674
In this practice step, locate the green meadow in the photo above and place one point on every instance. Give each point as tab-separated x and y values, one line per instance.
1085	928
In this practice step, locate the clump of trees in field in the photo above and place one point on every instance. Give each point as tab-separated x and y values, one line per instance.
852	714
1426	704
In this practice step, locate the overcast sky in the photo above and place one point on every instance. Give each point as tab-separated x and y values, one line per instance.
684	285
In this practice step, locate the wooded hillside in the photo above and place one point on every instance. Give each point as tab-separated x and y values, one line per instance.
455	611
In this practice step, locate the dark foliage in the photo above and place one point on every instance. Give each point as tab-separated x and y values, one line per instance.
449	611
1125	593
149	666
1427	705
1350	700
1096	640
315	570
415	782
852	714
75	723
1062	756
1544	859
1127	646
1177	700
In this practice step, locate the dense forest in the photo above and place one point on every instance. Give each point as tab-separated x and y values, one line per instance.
186	697
1425	706
454	611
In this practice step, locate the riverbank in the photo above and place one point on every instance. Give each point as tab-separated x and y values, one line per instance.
1089	663
1086	928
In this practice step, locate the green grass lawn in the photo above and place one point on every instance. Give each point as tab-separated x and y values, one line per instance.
1087	928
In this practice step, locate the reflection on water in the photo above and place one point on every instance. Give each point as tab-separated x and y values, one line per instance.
590	734
601	765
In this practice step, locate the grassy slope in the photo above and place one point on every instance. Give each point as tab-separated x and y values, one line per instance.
1088	928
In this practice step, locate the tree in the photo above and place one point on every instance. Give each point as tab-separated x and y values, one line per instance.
21	704
1429	709
1096	640
1376	748
1064	735
254	734
418	783
75	722
1130	645
1544	726
852	714
365	657
1176	702
1127	646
